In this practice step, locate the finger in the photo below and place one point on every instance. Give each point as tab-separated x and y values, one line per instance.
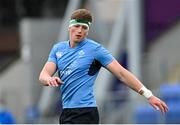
156	107
58	80
161	108
51	82
165	106
61	81
54	82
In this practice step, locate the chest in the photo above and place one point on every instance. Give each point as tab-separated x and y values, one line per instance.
73	60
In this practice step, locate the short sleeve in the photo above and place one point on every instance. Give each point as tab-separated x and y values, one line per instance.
103	56
52	56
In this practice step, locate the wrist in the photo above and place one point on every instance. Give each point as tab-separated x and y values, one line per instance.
145	92
46	80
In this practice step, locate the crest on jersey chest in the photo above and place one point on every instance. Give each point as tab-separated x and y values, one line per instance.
81	53
59	54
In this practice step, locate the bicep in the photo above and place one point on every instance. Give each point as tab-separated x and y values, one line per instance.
124	75
115	68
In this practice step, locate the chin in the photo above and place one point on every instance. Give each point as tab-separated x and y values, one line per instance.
79	40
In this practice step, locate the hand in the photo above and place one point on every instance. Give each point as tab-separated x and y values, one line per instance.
54	81
158	104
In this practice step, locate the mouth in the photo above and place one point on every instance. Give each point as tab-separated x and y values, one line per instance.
78	36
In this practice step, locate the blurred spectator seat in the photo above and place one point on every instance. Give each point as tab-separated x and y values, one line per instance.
31	115
145	114
170	93
173	115
6	117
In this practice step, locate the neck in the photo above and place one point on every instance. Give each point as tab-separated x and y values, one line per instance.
73	44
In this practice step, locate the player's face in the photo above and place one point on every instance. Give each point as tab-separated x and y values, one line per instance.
78	32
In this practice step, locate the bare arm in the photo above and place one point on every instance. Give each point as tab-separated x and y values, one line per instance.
46	76
124	75
131	81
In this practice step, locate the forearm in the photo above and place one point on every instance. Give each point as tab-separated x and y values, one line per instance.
130	80
47	72
43	77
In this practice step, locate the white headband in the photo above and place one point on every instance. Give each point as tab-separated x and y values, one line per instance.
79	22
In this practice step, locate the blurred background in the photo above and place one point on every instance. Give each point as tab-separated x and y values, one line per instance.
143	35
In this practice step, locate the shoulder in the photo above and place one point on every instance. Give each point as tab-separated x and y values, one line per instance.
60	45
93	43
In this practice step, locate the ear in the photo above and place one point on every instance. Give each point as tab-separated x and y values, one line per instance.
87	32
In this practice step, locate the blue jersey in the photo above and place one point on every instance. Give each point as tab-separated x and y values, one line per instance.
78	68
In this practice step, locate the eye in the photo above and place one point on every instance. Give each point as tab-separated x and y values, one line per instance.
85	27
77	25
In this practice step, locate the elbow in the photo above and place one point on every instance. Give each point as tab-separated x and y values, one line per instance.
40	78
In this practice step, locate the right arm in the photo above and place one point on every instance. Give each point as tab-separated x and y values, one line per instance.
131	81
46	76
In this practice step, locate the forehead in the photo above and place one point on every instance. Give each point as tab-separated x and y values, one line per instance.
81	25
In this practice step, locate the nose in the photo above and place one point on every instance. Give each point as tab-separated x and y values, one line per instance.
80	28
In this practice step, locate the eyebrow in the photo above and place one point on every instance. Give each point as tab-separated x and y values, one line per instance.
84	26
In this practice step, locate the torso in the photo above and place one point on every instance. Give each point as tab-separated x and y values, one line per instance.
78	69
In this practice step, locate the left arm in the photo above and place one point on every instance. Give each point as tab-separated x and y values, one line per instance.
131	81
124	75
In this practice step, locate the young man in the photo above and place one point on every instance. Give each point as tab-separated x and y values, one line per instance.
78	62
